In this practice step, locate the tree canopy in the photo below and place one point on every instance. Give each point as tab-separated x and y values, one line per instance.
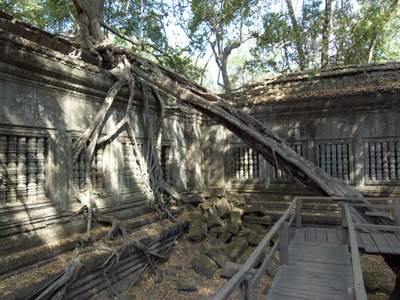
234	42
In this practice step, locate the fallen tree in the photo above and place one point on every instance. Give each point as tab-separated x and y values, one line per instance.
128	68
124	64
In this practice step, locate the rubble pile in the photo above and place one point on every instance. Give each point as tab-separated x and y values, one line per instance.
226	228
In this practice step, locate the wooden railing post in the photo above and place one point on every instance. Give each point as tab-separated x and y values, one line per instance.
284	244
248	289
396	211
299	205
345	235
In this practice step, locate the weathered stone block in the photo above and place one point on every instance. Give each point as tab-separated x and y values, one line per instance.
218	256
225	236
197	226
264	220
236	248
193	199
216	231
255	227
246	254
254	238
204	265
223	207
186	286
213	218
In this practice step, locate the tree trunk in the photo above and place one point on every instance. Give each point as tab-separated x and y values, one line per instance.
297	35
225	77
259	138
326	30
90	16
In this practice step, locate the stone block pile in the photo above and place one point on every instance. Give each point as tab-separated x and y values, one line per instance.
226	228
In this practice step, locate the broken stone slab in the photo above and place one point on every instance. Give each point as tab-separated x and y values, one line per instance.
264	220
236	248
254	238
197	226
223	207
235	199
231	268
218	256
225	236
216	231
204	265
213	218
246	254
255	209
205	206
235	222
233	228
194	199
255	227
186	286
244	232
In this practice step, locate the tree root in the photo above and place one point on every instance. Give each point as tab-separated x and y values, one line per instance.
57	288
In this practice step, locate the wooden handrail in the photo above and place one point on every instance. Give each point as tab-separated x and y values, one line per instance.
254	258
394	228
359	287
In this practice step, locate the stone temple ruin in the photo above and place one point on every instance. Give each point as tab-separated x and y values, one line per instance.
343	120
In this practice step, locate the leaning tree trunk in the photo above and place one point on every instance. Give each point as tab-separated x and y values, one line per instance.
252	132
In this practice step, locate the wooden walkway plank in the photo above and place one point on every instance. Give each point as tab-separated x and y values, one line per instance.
300	236
368	242
332	236
394	242
381	243
319	268
321	236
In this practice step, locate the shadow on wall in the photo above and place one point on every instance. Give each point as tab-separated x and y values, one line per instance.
360	145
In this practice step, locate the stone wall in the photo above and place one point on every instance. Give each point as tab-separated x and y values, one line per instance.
47	100
353	137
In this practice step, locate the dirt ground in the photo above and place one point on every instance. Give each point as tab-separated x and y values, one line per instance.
177	270
378	277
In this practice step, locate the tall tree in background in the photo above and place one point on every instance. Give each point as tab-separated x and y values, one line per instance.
222	25
326	30
143	21
298	37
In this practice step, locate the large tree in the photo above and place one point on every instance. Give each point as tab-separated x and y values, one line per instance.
221	25
127	67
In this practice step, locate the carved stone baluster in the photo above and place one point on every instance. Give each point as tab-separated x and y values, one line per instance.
3	169
21	169
346	162
251	164
40	156
12	169
392	161
398	160
372	164
32	169
379	162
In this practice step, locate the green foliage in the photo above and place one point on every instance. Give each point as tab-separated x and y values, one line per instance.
369	28
362	31
50	15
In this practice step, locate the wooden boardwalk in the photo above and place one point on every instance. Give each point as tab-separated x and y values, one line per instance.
319	267
379	242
